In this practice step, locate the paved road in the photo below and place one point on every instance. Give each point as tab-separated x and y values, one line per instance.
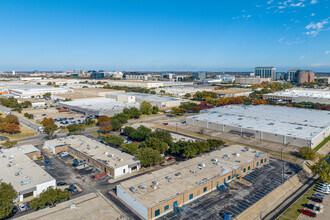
22	120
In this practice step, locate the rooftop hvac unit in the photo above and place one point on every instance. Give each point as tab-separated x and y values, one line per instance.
216	163
168	178
142	186
201	164
192	171
133	190
247	148
106	153
177	174
200	168
214	160
155	182
154	186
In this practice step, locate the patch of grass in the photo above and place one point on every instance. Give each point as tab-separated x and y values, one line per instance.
25	132
292	212
96	135
318	147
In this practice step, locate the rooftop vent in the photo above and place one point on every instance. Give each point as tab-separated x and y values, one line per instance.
155	182
214	160
142	186
216	163
168	178
200	168
201	164
177	174
133	190
154	186
192	171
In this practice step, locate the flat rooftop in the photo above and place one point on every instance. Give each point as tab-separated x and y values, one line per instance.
17	167
187	180
231	91
101	104
23	88
288	121
76	95
313	93
96	150
90	206
148	97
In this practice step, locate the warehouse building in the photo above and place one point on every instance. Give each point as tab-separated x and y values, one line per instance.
251	80
106	159
95	107
156	100
162	191
30	90
19	169
300	95
286	125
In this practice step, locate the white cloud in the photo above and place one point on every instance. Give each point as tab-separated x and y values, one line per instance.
327	52
270	2
299	4
313	2
281	40
301	57
315	28
313	14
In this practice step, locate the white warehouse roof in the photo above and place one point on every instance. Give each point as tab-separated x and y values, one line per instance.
286	121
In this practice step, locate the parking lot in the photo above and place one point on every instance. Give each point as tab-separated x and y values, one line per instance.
238	197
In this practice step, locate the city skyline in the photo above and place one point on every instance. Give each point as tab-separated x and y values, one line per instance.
165	35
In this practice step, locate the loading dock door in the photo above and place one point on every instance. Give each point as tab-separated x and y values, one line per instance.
27	195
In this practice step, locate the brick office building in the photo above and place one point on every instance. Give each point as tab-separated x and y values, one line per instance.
162	191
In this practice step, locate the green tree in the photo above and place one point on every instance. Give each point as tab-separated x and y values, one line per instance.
132	112
47	95
146	108
130	148
102	118
7	195
89	121
322	168
148	157
155	110
140	134
164	136
115	123
154	143
215	143
11	119
49	130
128	130
113	139
162	91
8	143
75	128
49	198
121	117
187	95
307	153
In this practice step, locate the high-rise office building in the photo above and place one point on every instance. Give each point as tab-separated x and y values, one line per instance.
290	75
265	72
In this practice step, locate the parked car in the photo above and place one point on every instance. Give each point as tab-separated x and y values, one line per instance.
22	207
69	189
312	207
61	184
308	212
73	188
64	153
165	123
44	115
318	195
316	199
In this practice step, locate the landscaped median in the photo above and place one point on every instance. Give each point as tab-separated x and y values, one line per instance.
293	211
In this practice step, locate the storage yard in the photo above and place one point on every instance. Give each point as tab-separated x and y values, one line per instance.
286	125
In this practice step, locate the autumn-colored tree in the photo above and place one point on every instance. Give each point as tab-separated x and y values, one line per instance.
48	122
105	126
2	126
12	128
11	119
102	119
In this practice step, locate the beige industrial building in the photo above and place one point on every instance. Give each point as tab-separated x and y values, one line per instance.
286	125
251	80
109	160
161	102
160	192
19	169
301	95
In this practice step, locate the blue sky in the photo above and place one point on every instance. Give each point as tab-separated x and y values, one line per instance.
217	35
